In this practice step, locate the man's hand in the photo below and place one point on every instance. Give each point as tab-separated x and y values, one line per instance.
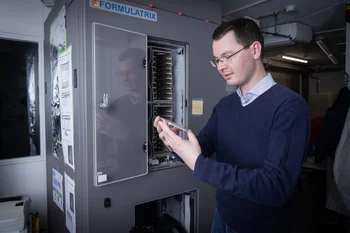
160	129
188	150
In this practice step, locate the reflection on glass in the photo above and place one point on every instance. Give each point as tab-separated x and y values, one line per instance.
31	103
19	102
121	126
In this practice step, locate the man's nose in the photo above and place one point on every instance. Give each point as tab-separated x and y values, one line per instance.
222	66
124	76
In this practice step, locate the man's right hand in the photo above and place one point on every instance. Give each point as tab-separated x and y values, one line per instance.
159	129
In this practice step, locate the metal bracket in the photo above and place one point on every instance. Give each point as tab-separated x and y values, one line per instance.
104	102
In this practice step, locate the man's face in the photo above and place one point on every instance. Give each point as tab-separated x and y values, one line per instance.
129	73
237	69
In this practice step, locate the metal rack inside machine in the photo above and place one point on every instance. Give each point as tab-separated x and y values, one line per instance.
166	95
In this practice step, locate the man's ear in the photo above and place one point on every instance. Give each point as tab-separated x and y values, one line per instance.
257	50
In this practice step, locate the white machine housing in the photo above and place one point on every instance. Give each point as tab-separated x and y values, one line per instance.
13	214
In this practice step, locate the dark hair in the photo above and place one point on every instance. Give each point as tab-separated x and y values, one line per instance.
245	30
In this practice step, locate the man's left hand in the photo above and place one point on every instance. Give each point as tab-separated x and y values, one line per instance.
188	150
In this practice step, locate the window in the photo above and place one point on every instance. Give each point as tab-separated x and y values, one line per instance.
19	99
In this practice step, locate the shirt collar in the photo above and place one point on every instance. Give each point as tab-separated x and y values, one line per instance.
259	88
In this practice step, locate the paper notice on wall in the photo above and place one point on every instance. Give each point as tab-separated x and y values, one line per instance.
197	107
57	188
58	43
69	186
65	80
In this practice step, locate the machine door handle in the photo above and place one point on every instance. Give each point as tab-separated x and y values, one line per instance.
104	102
144	147
144	62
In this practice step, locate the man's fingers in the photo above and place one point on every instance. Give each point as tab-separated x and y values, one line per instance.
160	124
170	132
166	132
156	120
191	136
159	128
169	136
168	140
164	139
175	130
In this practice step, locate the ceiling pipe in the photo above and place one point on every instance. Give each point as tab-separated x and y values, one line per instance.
244	7
330	31
327	68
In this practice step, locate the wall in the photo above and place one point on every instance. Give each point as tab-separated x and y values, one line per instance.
25	17
329	85
18	177
289	79
328	82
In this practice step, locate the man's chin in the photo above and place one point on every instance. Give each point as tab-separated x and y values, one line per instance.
232	83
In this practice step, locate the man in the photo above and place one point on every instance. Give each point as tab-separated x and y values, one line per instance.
259	135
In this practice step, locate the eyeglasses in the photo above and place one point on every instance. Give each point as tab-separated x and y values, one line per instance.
217	62
126	74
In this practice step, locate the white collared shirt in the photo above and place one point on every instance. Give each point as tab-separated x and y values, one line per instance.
262	86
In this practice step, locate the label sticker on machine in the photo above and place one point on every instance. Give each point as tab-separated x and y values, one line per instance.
197	106
124	9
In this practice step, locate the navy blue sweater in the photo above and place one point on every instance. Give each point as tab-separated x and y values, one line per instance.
259	154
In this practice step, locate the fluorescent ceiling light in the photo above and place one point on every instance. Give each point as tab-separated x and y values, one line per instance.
333	59
326	51
323	47
294	59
